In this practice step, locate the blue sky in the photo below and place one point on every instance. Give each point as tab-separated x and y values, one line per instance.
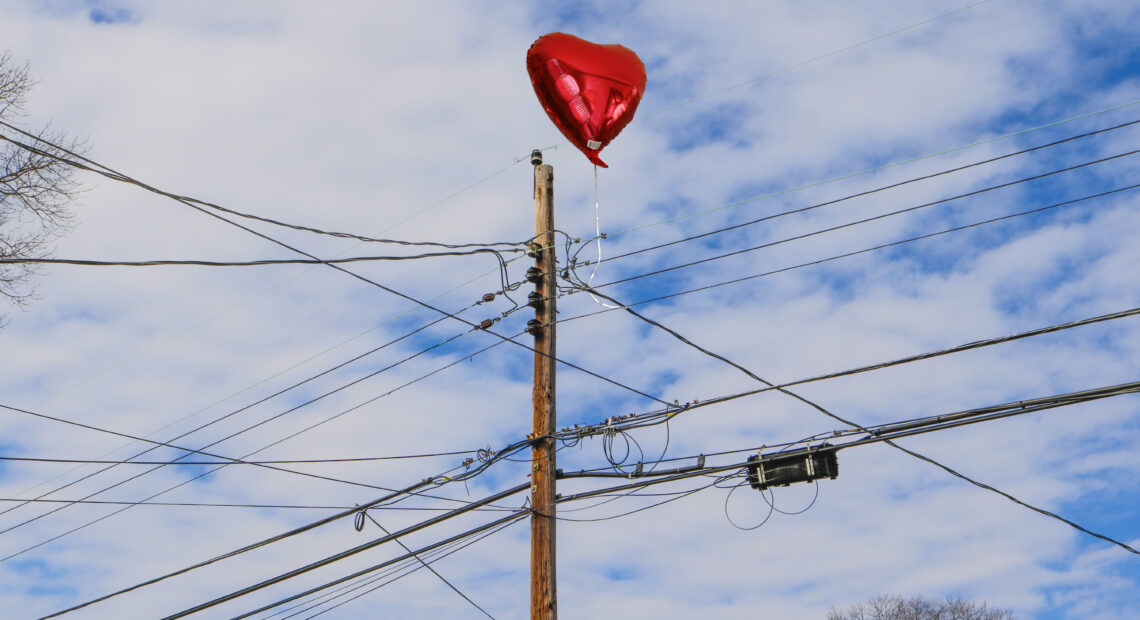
414	121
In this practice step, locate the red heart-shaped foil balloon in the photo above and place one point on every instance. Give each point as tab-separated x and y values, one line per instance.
590	91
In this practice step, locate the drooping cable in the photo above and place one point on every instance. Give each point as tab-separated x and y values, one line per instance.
198	207
856	425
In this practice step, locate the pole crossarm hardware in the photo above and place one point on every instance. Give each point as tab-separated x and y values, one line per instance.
543	583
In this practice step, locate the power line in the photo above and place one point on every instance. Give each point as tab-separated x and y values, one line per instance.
859	252
867	171
701	470
251	263
197	205
83	163
856	425
499	524
868	219
657	417
242	462
869	192
271	396
428	566
359	548
436	555
378	503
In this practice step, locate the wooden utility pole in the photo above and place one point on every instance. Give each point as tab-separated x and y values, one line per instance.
543	584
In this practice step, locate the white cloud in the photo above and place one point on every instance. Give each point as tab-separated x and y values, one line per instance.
360	117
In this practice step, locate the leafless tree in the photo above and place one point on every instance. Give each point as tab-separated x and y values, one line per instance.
36	188
919	608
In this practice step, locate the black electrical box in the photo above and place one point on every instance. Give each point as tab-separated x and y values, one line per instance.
779	469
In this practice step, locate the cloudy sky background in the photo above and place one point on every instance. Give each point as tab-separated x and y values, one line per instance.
414	121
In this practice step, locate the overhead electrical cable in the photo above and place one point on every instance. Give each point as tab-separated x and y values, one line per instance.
852	424
360	548
206	473
865	220
867	171
496	525
865	193
278	393
247	407
34	459
251	263
197	206
859	252
428	566
83	163
199	451
652	478
435	554
380	503
640	420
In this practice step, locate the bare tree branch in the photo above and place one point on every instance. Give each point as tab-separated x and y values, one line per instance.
36	189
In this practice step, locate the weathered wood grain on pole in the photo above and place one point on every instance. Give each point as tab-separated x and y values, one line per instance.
543	585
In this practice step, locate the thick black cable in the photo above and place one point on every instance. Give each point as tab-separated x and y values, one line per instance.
868	192
190	203
358	549
865	220
176	447
251	263
378	503
251	547
436	554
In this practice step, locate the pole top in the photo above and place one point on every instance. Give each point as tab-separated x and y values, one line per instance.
535	157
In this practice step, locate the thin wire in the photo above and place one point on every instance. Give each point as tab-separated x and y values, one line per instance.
868	219
218	505
265	399
867	171
358	549
83	163
863	251
213	443
196	206
868	192
428	566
